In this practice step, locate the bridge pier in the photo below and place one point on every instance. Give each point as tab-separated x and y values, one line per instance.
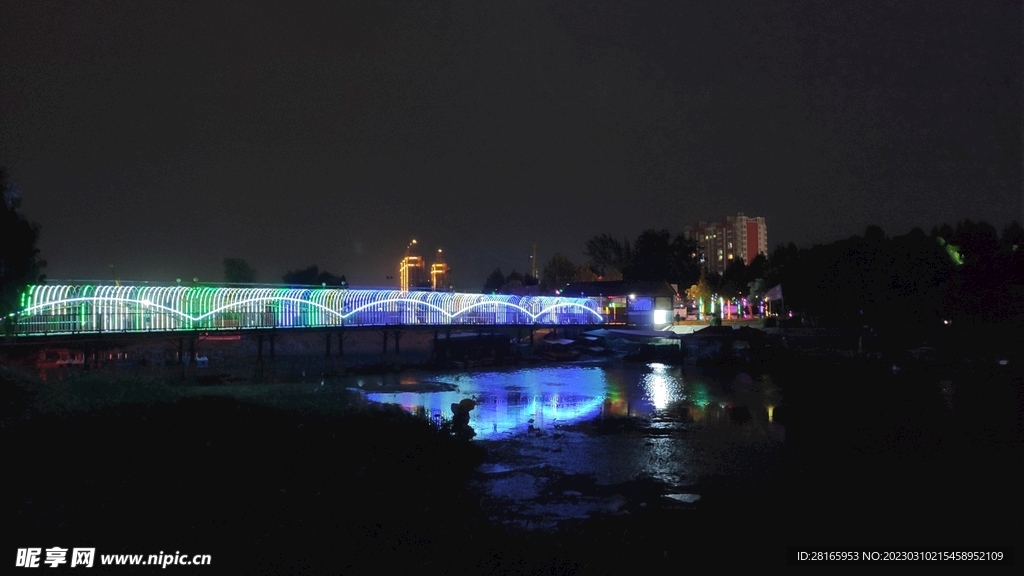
258	375
272	367
385	349
191	355
398	339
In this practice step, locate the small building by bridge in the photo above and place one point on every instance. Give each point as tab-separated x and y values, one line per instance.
640	305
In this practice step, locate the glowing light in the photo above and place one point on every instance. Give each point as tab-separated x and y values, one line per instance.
660	316
58	309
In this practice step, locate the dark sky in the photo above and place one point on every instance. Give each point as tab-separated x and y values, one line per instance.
164	136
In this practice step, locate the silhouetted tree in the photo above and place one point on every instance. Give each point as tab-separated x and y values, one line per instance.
20	264
651	257
585	273
558	272
494	282
757	268
608	254
312	276
238	271
513	282
1012	239
734	281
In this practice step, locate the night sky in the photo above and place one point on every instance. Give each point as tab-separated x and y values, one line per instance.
162	137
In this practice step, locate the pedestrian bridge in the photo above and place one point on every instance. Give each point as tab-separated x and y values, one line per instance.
92	309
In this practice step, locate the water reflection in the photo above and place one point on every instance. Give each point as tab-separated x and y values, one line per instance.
513	400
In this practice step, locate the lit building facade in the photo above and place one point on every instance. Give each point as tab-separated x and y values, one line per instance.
439	273
734	237
412	270
413	273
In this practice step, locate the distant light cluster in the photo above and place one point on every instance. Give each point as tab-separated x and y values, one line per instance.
70	309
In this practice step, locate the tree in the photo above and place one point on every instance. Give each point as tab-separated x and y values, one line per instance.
20	264
608	255
1013	237
313	276
700	290
585	273
558	272
238	271
494	282
734	282
513	282
651	258
757	289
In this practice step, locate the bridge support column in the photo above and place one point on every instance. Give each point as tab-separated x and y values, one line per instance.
327	338
258	375
272	367
385	349
191	355
398	339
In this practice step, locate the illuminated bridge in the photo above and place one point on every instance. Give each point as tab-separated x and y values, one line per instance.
89	309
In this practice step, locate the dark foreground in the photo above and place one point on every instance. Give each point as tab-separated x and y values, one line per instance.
373	490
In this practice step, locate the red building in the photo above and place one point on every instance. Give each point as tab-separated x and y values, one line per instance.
734	237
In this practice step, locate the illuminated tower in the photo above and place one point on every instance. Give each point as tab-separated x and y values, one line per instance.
412	269
439	273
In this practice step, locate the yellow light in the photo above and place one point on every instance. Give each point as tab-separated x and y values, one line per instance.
771	413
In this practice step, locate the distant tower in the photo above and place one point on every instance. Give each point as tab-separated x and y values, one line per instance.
439	272
412	269
532	268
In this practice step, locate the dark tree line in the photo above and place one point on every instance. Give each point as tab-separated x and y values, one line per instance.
20	264
966	273
655	255
313	276
512	284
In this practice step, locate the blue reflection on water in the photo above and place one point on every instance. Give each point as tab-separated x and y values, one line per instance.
509	401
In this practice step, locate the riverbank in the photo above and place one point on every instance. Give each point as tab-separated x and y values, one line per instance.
270	481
